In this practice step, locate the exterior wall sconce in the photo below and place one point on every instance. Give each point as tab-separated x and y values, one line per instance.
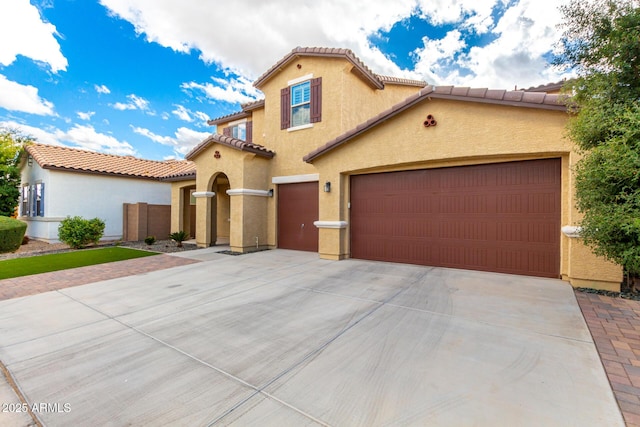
270	192
30	160
327	187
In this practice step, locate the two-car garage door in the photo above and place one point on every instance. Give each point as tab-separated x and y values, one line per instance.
501	217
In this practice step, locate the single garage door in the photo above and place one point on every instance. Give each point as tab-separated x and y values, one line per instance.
297	210
502	217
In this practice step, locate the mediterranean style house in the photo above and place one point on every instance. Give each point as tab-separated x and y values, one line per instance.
341	161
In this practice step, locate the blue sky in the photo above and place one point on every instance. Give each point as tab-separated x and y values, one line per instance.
141	77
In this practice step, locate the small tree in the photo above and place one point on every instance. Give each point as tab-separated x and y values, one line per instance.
601	42
11	146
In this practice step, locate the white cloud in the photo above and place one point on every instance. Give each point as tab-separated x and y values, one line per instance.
202	117
514	57
23	32
85	116
102	89
135	103
182	113
39	135
86	137
263	31
182	142
232	90
17	97
78	136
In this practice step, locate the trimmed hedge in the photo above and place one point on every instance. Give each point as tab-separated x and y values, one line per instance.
78	232
11	234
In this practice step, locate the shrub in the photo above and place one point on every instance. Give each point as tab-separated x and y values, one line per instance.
150	240
78	232
179	237
11	234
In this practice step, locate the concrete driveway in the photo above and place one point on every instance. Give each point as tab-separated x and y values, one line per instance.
283	338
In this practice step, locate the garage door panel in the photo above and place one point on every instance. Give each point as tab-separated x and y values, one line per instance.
494	217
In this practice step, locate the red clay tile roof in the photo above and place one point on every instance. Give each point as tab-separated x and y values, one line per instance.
75	160
238	144
547	87
359	67
246	108
401	81
482	95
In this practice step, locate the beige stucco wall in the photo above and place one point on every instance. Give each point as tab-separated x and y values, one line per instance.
241	218
466	133
177	204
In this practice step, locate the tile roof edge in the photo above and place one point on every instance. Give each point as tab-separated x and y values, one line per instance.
348	54
231	142
478	95
49	164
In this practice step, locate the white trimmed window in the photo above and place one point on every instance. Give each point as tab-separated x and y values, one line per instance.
301	104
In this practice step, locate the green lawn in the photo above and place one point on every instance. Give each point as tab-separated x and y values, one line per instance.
17	267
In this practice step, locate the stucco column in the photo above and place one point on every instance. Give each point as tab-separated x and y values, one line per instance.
332	225
249	230
205	227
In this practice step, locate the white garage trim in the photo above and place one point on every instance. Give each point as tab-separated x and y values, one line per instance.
292	179
248	192
203	194
331	224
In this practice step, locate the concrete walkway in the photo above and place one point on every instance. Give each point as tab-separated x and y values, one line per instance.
284	338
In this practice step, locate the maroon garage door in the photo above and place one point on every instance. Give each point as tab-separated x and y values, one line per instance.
297	210
502	217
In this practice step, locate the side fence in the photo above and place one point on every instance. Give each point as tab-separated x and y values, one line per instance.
141	220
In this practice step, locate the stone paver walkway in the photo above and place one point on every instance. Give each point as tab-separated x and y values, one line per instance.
615	326
29	285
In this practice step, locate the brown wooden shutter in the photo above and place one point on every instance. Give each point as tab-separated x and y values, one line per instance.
226	131
316	100
249	131
285	108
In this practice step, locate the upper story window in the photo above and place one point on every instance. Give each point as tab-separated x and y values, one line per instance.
239	130
301	103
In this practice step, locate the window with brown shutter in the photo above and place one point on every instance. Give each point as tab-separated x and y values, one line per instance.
316	100
249	131
302	104
285	108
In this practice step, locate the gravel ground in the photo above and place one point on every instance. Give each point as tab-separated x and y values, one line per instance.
36	247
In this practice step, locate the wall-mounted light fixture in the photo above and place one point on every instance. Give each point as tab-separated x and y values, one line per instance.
271	192
30	160
327	187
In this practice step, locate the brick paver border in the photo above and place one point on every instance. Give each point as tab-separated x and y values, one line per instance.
37	283
615	327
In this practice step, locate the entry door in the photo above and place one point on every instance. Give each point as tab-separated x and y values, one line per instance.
297	210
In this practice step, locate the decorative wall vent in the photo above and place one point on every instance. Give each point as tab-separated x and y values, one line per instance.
216	154
431	121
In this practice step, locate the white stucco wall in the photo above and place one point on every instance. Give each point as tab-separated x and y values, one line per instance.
89	196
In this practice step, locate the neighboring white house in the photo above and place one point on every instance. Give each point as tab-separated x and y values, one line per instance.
57	182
